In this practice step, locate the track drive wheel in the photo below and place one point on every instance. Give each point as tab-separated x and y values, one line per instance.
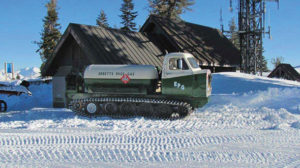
128	109
77	106
163	111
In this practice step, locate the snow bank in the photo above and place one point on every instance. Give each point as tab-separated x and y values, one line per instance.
296	125
254	91
275	98
41	97
238	96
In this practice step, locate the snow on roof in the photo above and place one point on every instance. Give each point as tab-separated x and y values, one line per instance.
297	69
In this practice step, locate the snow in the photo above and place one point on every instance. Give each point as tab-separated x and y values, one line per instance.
250	121
297	68
25	73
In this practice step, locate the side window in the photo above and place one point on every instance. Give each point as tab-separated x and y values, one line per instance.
184	65
173	64
177	64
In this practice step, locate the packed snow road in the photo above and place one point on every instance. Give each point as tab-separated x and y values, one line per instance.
249	122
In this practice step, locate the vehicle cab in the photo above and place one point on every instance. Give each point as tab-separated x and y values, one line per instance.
182	76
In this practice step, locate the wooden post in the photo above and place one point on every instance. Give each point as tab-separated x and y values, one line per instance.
5	70
12	71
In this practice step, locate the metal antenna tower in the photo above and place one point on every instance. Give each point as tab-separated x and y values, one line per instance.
251	21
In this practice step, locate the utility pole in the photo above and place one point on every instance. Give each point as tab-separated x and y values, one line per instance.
251	21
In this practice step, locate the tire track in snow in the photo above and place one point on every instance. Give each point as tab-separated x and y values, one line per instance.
89	154
146	146
122	140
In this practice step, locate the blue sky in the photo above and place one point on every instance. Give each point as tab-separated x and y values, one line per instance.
21	24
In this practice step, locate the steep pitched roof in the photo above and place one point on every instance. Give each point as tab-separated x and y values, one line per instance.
109	46
209	45
285	71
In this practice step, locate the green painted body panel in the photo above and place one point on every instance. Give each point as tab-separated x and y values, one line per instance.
191	89
190	86
178	86
199	85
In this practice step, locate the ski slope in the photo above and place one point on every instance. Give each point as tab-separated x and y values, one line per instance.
250	121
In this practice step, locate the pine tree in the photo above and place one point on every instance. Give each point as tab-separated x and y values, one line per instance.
276	61
128	15
233	34
263	65
170	8
50	34
102	19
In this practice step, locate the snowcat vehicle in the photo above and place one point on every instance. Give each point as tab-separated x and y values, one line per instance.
140	90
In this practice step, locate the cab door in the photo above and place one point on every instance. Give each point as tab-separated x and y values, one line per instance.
177	77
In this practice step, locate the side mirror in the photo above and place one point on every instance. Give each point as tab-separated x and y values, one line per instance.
179	64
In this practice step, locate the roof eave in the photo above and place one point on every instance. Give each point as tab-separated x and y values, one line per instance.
45	69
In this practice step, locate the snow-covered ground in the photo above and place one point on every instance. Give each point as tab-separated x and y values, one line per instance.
249	122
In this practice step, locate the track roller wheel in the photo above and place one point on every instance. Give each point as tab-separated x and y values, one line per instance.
128	109
163	111
145	109
92	108
111	108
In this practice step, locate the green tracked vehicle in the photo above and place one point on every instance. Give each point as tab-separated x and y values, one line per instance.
141	90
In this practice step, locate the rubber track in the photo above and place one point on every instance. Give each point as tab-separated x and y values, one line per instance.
173	103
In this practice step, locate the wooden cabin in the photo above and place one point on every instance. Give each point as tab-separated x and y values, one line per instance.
212	49
285	71
82	45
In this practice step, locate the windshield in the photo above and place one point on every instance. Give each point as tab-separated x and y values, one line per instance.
193	62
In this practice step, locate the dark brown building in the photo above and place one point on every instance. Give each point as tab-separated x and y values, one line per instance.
82	45
213	50
285	71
